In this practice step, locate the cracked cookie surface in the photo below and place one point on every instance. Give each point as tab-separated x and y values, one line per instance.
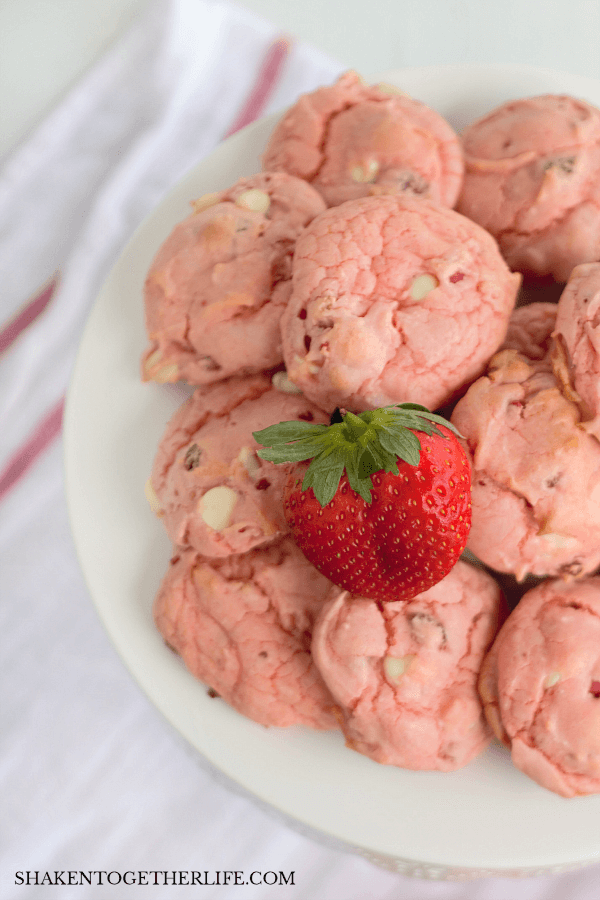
404	674
536	473
540	684
243	626
211	490
393	300
353	140
216	289
532	170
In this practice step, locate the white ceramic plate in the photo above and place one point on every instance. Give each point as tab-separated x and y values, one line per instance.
487	818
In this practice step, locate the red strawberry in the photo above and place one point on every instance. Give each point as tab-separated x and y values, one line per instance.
384	508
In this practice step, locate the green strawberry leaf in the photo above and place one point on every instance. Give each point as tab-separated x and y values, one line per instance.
362	486
402	443
411	420
325	487
306	448
383	460
288	431
423	415
367	465
324	469
363	444
416	406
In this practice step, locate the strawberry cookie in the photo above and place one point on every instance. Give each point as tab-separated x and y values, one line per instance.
210	488
576	356
533	181
217	286
394	300
350	140
243	626
535	472
540	686
404	675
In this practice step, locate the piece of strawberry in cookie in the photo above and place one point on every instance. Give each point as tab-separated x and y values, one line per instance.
394	300
352	140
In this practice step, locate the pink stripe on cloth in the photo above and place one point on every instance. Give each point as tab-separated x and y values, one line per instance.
28	314
27	454
267	78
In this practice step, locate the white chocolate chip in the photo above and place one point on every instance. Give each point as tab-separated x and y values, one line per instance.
205	201
216	507
166	374
365	174
249	460
558	541
387	88
152	360
255	200
395	667
281	382
361	667
423	285
552	679
150	495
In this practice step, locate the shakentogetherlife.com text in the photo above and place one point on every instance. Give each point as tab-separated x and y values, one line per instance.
154	877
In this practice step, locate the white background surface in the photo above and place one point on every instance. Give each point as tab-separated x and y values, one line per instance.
46	44
92	776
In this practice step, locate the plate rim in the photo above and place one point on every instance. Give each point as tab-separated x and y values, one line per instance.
73	408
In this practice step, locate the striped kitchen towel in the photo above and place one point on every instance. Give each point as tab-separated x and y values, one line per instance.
188	74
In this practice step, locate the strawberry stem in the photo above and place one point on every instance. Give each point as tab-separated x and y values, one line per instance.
361	445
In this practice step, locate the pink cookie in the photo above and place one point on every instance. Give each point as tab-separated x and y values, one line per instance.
350	140
243	626
540	685
212	491
405	674
533	180
530	330
576	356
394	300
217	286
535	473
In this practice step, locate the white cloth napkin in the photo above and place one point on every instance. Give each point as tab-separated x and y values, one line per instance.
93	778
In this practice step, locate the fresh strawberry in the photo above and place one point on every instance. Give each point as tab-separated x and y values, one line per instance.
384	508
